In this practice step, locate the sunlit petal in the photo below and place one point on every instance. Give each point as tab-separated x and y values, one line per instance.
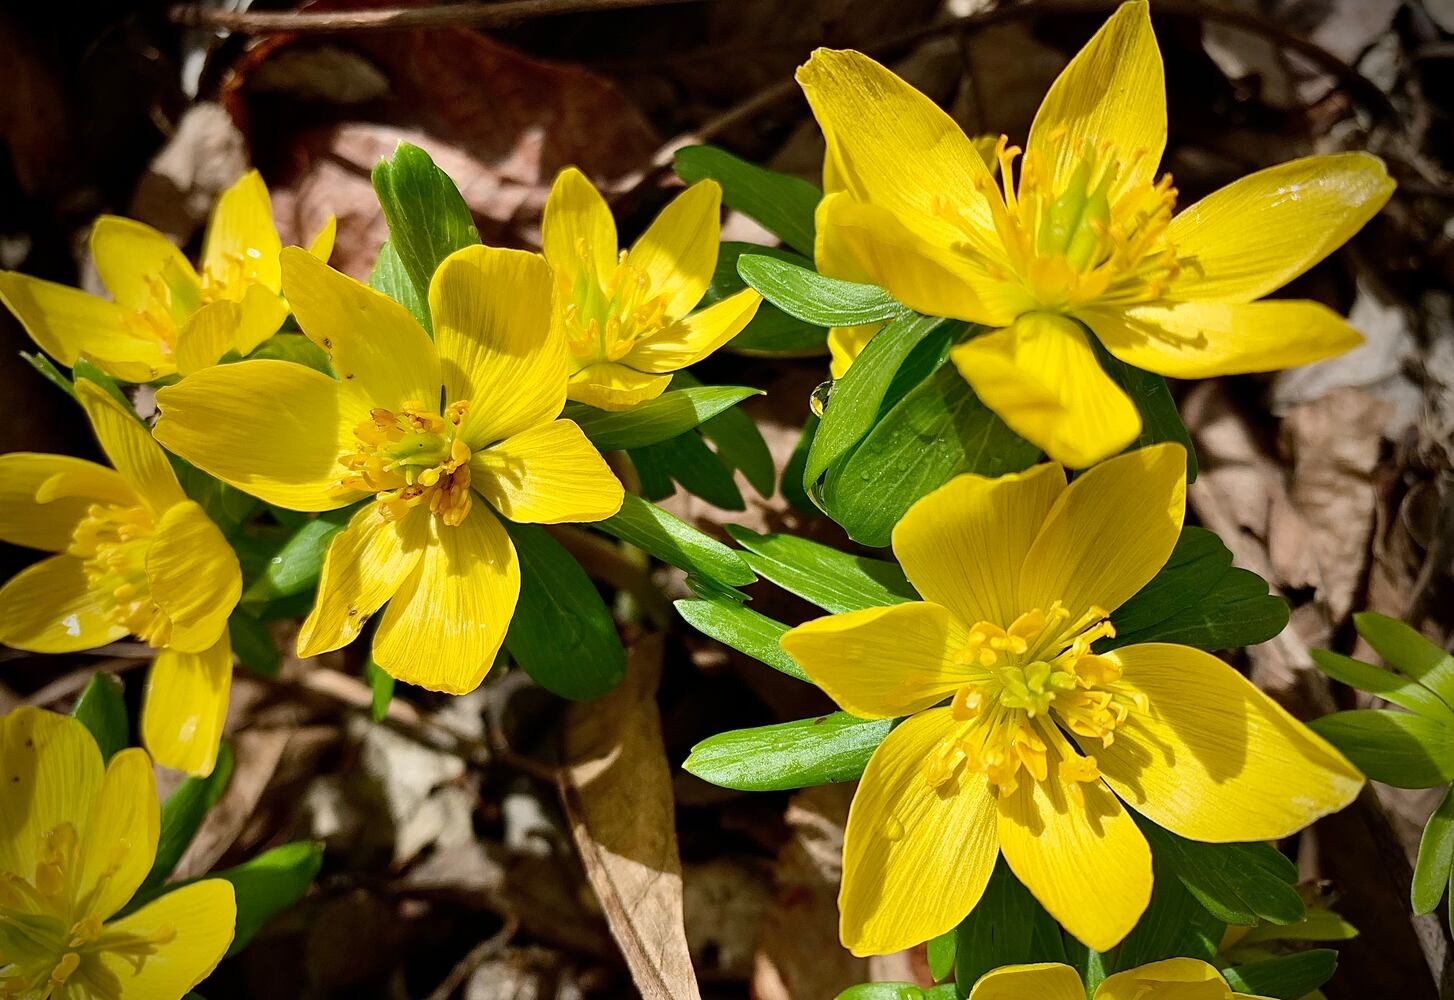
185	706
678	251
546	475
48	607
193	576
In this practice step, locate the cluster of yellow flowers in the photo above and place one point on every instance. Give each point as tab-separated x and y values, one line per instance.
1020	737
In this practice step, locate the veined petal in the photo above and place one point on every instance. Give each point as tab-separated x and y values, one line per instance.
271	428
1042	378
67	323
607	385
678	251
916	858
1113	92
186	705
48	607
1153	981
263	311
193	576
1047	981
39	516
52	770
846	343
1109	533
1215	759
202	916
880	663
497	345
962	545
120	838
381	354
443	628
142	269
689	340
364	567
546	475
207	335
321	246
1261	231
1206	339
1077	849
577	230
125	440
241	246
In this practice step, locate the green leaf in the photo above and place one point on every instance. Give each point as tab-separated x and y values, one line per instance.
898	991
821	751
791	483
674	412
740	445
834	581
390	277
687	459
938	431
1174	925
428	219
270	883
561	635
734	624
296	348
102	709
781	203
1160	419
1409	652
1384	683
253	643
50	372
1436	858
1316	925
1290	977
1397	748
226	506
940	953
84	369
771	332
675	542
181	816
1006	927
381	689
812	298
298	563
1235	883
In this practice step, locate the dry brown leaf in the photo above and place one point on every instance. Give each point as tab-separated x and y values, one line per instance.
616	788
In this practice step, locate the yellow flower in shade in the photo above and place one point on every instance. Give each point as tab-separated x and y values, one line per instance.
1039	740
77	838
627	317
133	556
1173	979
163	317
442	434
1082	238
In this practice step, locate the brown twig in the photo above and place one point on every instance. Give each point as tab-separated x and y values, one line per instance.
474	958
470	15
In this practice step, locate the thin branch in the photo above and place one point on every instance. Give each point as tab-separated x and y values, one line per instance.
473	15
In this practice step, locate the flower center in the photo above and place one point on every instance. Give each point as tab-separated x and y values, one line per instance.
169	299
50	938
606	314
112	541
228	275
1034	680
1100	239
411	457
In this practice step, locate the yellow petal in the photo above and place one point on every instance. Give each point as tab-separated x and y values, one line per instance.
916	858
546	475
678	251
1042	378
1078	850
125	440
241	246
443	628
186	705
207	335
1047	981
962	545
52	772
687	341
1215	759
35	513
263	311
607	385
1205	339
577	228
846	343
1261	231
67	323
193	575
142	269
322	244
1113	92
271	428
880	663
1163	979
1109	533
120	838
380	353
202	917
48	607
499	351
364	566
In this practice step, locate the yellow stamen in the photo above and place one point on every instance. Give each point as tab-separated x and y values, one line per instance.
412	457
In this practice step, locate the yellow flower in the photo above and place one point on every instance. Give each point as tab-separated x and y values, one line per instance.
427	428
1042	740
1173	979
625	316
1085	237
133	555
163	317
77	838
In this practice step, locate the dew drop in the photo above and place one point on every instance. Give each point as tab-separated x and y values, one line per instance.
893	829
818	401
